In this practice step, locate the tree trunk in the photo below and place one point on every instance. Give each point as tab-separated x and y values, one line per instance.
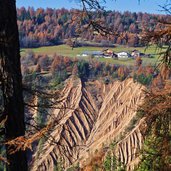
11	82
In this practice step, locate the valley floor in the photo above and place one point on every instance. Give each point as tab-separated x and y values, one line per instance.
65	50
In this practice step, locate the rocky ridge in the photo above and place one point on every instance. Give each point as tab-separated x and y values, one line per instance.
93	116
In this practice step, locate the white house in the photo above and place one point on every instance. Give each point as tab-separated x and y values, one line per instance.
92	53
124	55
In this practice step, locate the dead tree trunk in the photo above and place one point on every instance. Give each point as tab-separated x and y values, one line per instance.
11	82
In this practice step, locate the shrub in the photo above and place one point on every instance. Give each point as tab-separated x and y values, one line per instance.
59	77
44	62
143	79
111	163
83	69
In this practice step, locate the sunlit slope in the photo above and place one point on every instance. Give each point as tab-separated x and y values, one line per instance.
95	114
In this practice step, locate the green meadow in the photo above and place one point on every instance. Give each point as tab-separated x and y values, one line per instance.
65	50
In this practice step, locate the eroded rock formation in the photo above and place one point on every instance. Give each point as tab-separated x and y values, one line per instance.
95	114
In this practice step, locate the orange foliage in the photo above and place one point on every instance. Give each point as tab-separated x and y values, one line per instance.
95	160
138	61
123	72
24	142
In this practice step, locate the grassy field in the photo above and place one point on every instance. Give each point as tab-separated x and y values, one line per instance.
65	50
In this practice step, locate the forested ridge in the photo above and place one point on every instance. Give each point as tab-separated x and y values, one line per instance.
45	27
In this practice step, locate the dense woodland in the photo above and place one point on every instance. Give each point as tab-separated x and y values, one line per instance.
45	27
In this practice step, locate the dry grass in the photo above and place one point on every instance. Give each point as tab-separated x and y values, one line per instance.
95	161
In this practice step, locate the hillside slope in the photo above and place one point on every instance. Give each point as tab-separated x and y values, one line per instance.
93	116
118	109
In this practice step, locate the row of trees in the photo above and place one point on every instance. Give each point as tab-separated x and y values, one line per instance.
62	67
43	27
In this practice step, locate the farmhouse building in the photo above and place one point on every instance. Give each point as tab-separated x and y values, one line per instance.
124	55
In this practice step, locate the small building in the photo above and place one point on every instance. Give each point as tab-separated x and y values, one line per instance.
106	49
135	53
124	55
92	53
115	56
109	53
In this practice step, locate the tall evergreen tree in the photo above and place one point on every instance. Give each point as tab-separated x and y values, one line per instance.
11	83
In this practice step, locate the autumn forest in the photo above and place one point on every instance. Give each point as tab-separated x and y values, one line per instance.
45	27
